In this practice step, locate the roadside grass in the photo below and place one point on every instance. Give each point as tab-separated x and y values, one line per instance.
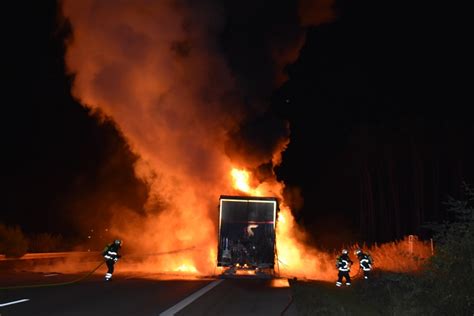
444	285
386	293
324	298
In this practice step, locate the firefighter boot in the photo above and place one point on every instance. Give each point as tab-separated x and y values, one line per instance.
108	276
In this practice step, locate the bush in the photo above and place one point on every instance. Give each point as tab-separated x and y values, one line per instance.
12	241
448	282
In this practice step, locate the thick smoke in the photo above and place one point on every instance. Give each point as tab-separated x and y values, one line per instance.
259	39
187	83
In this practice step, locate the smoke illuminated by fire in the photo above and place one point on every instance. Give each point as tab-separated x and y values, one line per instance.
155	68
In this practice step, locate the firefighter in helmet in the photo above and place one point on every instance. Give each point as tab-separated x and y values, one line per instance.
111	256
343	264
365	262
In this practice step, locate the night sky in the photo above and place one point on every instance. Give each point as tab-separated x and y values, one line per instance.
381	131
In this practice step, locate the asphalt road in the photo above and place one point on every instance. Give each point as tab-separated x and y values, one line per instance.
133	294
244	297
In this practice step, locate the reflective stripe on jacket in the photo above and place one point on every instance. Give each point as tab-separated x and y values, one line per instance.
111	252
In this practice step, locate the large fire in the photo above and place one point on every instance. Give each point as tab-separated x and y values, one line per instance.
296	259
155	69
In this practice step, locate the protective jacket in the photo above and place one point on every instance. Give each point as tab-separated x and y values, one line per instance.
365	261
111	252
343	263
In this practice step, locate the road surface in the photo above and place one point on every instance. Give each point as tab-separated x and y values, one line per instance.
55	294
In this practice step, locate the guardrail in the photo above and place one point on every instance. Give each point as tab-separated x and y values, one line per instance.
48	255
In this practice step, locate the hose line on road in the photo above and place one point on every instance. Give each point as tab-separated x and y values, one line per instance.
89	273
169	252
287	305
53	284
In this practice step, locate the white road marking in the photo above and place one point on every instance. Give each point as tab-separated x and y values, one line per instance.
15	302
191	298
51	274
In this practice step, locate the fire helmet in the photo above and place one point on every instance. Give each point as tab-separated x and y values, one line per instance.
344	251
118	242
357	251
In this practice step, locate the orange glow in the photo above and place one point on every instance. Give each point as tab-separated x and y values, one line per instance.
241	179
281	219
297	259
176	118
279	282
245	272
186	268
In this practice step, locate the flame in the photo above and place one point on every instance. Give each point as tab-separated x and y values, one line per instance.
241	179
281	219
146	66
187	268
297	259
245	272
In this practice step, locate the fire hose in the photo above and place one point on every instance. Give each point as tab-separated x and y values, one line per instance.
88	273
287	305
161	253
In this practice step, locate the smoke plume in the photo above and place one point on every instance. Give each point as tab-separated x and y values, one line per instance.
187	83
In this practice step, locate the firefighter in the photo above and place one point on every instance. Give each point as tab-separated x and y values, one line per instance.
365	262
111	257
343	264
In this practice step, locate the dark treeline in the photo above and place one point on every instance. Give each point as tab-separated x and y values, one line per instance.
406	177
381	132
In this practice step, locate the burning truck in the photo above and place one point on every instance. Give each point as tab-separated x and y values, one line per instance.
247	237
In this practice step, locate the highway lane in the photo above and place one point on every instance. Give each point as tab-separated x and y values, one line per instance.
240	296
140	294
125	295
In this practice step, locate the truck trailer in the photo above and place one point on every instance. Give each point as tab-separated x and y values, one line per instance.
247	238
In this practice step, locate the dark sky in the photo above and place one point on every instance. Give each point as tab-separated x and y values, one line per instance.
381	129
